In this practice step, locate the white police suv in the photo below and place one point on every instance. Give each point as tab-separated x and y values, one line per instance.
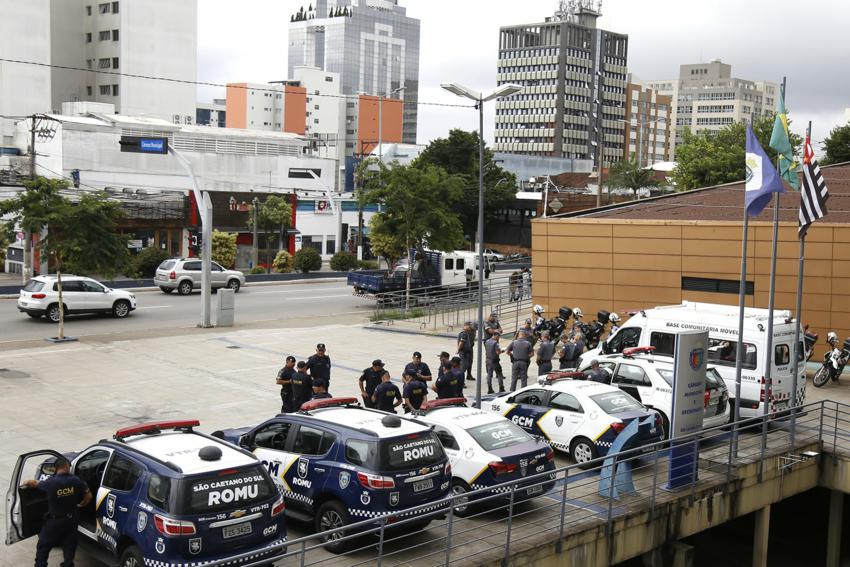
648	378
488	450
164	495
577	416
338	463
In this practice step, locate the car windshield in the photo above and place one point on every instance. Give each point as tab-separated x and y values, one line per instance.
410	452
34	285
667	375
167	265
226	489
616	402
499	435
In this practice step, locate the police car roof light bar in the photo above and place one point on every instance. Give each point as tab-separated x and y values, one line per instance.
556	376
442	403
638	350
326	403
156	427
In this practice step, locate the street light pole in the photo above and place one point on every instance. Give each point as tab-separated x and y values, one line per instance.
480	99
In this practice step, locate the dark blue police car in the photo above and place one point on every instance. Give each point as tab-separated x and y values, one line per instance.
338	463
164	495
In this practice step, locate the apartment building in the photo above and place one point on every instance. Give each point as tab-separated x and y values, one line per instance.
648	124
154	38
273	107
707	97
574	74
212	113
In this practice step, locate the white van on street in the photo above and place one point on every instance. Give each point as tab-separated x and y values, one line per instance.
657	327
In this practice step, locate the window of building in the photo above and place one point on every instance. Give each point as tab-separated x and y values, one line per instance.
114	62
103	8
715	285
115	7
114	35
104	35
105	90
88	38
329	79
88	91
89	63
104	63
114	90
88	10
330	245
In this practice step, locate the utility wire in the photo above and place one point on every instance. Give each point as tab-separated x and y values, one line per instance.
207	84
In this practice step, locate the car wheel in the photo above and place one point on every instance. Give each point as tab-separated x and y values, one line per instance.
131	557
121	308
185	288
52	313
821	377
34	315
582	450
665	424
167	289
234	285
333	515
463	507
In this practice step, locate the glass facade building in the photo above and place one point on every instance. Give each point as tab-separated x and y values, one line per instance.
372	44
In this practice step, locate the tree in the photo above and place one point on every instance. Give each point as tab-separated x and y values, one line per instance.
384	242
146	262
630	175
282	263
344	261
224	248
274	214
714	157
458	155
307	260
837	145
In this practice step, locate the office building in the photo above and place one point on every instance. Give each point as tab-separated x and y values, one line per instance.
707	97
154	38
574	74
372	44
24	36
647	124
212	113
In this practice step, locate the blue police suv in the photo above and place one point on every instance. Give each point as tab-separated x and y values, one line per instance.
338	463
164	495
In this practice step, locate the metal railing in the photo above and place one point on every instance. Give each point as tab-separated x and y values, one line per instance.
571	500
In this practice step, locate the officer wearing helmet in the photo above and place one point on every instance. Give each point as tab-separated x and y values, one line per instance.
832	338
615	323
578	323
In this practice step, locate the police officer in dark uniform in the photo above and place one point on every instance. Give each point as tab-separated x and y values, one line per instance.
387	395
444	360
284	380
447	384
545	352
302	386
320	390
465	344
66	494
457	371
319	364
415	392
598	374
369	380
417	369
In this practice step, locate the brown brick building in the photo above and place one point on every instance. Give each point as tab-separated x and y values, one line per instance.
687	246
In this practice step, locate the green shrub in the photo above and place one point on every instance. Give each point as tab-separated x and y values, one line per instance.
344	261
282	263
145	263
257	270
307	260
369	264
224	248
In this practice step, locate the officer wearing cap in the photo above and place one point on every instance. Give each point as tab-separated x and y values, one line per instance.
520	351
598	374
458	372
444	360
320	389
465	342
492	350
284	380
369	380
319	364
545	352
417	369
66	494
387	395
302	386
447	384
414	393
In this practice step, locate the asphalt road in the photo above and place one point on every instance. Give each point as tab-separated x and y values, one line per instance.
169	314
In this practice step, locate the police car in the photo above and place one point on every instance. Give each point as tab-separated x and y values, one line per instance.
164	495
648	378
338	463
488	450
577	416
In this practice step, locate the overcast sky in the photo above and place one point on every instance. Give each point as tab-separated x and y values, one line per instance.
762	40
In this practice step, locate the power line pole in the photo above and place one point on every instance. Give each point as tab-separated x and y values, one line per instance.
26	272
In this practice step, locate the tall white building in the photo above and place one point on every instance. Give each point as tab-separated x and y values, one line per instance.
325	102
707	97
156	38
25	36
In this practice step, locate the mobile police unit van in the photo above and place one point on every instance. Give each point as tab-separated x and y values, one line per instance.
164	495
338	463
488	450
657	327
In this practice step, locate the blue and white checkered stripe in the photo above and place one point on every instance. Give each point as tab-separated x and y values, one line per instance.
370	514
253	557
288	494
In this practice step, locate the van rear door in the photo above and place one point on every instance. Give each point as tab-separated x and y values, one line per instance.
782	372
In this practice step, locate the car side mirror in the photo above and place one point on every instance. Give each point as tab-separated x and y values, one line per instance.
247	442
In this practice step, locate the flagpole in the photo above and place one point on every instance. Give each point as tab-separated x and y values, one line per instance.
799	321
739	358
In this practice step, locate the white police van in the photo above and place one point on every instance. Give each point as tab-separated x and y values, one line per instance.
658	327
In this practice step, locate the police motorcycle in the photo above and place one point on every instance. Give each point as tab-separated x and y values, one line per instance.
810	339
555	326
833	362
593	331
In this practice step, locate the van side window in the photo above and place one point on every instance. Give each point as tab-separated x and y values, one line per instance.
627	337
450	263
460	263
781	355
723	352
663	342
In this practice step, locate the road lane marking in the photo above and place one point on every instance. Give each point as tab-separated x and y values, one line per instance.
154	307
290	291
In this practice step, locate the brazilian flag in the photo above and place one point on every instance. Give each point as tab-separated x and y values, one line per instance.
780	141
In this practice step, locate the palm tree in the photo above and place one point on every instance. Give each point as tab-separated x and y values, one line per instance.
629	175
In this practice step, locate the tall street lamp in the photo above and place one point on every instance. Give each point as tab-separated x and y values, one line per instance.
480	99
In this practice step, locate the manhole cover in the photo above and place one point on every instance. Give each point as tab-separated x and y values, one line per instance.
6	373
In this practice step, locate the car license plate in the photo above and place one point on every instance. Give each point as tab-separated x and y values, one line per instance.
423	485
534	490
235	531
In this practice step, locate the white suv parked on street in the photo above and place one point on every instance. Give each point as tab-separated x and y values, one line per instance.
79	294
